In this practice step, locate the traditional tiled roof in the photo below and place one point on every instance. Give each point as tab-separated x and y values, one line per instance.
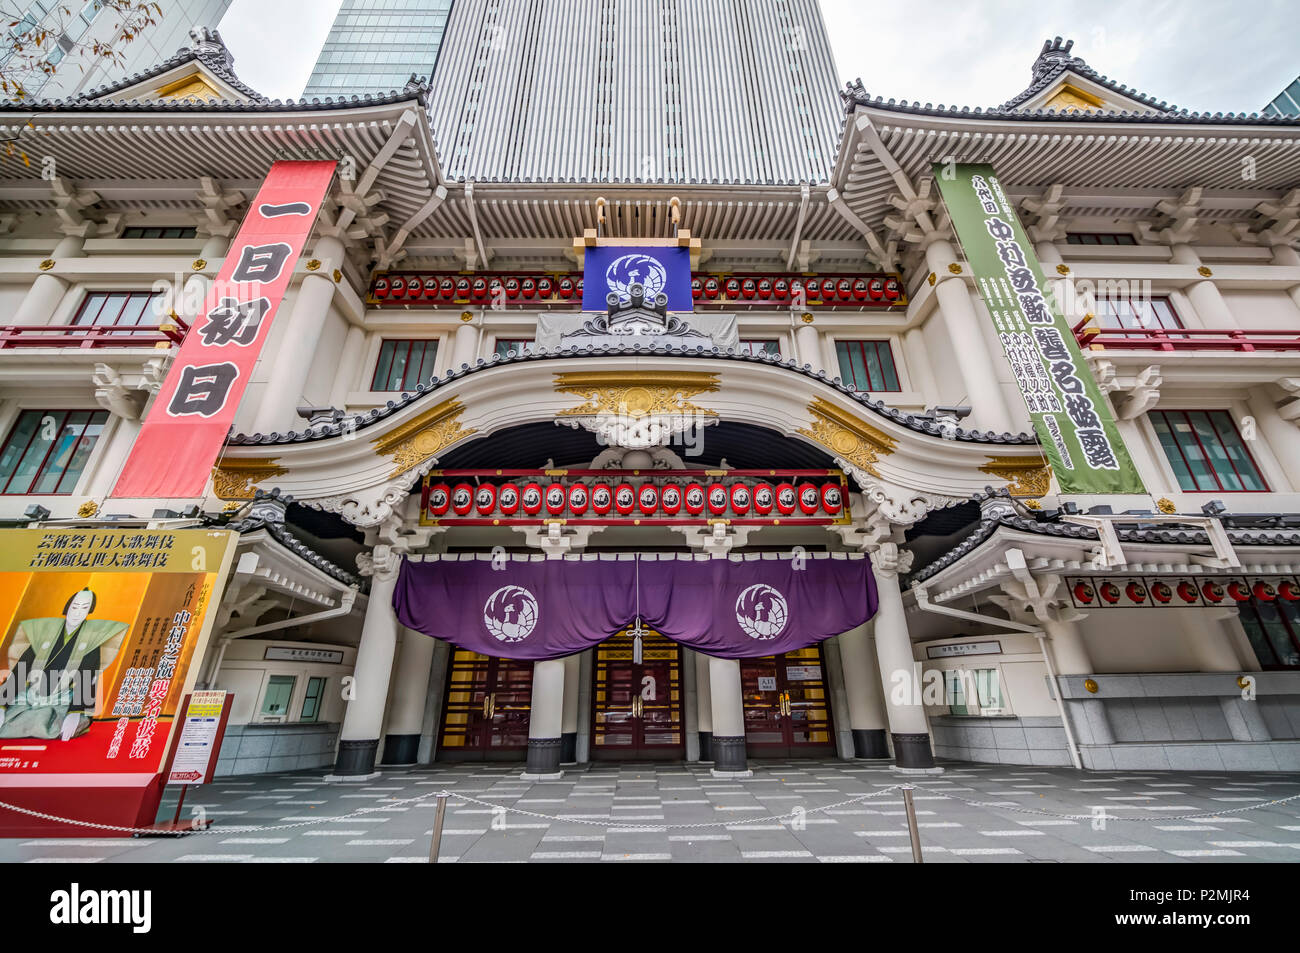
1055	60
352	424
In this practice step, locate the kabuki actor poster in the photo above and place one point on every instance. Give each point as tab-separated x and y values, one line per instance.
188	421
1074	424
101	631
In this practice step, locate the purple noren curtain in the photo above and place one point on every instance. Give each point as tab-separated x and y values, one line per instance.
737	607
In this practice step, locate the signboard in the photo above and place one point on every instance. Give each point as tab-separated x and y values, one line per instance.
1073	422
194	758
188	422
803	673
284	654
767	683
963	648
659	269
101	631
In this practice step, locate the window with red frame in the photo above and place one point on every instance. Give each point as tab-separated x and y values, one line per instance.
118	308
1206	451
404	364
867	365
1122	312
46	450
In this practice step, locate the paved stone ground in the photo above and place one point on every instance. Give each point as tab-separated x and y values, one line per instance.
664	796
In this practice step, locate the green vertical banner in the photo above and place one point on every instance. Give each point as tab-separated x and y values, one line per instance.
1073	422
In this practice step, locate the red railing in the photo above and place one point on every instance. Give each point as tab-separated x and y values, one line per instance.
1186	339
93	335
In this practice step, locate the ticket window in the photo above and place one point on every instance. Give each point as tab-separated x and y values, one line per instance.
275	700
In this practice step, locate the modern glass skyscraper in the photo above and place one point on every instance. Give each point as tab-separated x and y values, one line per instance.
1287	102
376	45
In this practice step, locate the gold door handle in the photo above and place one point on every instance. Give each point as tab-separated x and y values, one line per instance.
785	704
636	707
492	705
487	705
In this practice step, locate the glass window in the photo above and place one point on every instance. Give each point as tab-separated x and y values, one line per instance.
1121	312
867	365
1206	451
1099	238
404	364
518	345
47	450
279	689
1273	629
758	348
971	692
158	231
312	702
122	308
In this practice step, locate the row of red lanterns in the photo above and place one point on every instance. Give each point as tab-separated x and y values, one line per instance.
1185	592
623	499
784	288
481	288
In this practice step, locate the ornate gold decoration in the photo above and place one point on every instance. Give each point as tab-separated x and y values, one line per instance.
954	268
198	264
1033	504
237	479
636	393
417	440
193	86
1069	98
1062	269
231	506
88	509
1243	681
313	265
846	436
932	278
47	264
337	276
1166	505
1025	476
1204	272
1091	686
467	316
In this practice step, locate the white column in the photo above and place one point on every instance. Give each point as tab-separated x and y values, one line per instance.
1288	257
1214	652
862	688
808	344
1071	657
907	724
346	376
919	369
464	344
1282	436
546	720
43	297
989	410
110	465
569	724
704	706
406	714
1204	293
364	718
288	379
728	705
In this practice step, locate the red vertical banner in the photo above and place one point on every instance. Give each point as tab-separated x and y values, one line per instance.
183	433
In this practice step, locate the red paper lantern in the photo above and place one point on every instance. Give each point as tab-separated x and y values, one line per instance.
1187	591
447	288
876	289
765	288
711	288
764	498
717	499
893	290
740	499
1136	592
1110	592
566	288
809	499
397	286
439	499
479	289
733	287
1289	591
512	288
832	498
545	288
555	499
462	499
828	290
748	288
1263	591
844	288
1213	592
1161	593
812	289
430	288
780	289
786	499
670	499
697	288
485	499
693	499
647	498
531	500
508	499
381	289
1239	590
1084	593
860	289
624	499
578	499
414	287
602	498
527	287
463	287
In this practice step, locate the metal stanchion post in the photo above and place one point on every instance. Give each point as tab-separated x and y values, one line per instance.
439	816
913	834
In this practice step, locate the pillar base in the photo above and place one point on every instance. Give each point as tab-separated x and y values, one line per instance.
706	746
728	753
912	750
569	747
870	743
356	758
401	749
543	758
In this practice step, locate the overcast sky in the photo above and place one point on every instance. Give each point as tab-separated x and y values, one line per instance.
1203	55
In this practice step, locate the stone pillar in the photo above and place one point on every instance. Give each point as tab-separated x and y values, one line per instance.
406	714
1204	294
907	725
464	343
1281	435
862	687
728	704
1071	656
546	721
353	353
978	363
1214	652
43	297
364	718
919	370
704	705
283	393
569	725
808	345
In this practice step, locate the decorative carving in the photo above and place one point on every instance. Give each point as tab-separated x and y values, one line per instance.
860	444
806	318
638	393
237	479
1062	269
954	268
1204	272
198	264
931	278
1166	505
88	509
415	442
47	264
313	265
1025	477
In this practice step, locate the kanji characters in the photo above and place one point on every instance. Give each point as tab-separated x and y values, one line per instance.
203	389
234	322
261	263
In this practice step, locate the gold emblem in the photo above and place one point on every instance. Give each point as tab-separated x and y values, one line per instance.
932	278
846	436
237	479
198	264
1091	686
47	264
1166	505
425	436
1024	476
88	509
636	394
806	318
955	268
1204	272
1062	269
313	265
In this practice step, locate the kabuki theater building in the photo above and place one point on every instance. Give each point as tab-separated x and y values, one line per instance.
582	404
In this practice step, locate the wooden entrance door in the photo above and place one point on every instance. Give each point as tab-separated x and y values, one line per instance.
485	717
637	707
787	705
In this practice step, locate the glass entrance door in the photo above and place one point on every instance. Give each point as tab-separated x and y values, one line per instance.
485	717
637	707
787	705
